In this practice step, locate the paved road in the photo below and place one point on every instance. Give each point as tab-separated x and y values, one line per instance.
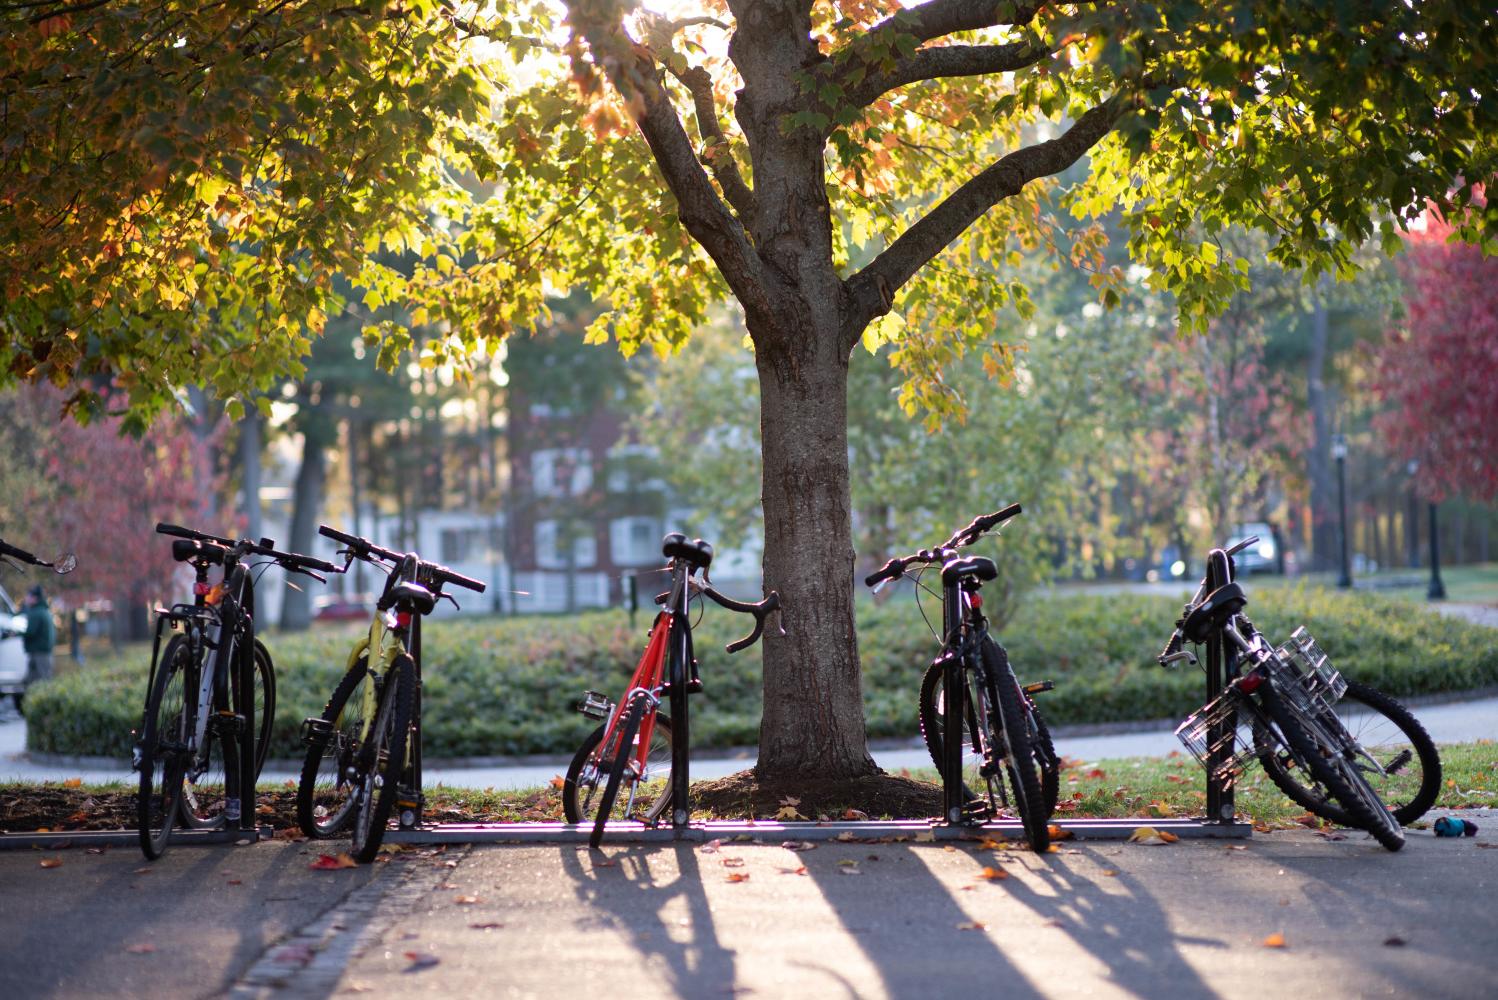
890	920
1447	723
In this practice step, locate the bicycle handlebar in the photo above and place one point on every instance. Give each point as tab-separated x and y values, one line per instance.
975	529
363	548
294	561
1177	638
760	611
21	554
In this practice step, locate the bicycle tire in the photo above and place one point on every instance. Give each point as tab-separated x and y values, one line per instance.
327	789
166	725
1046	759
628	726
1387	731
203	790
931	716
1314	748
384	758
1019	755
581	792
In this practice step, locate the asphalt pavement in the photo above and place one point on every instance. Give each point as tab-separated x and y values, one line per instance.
1286	914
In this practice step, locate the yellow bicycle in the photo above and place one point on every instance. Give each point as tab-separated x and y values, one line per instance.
364	751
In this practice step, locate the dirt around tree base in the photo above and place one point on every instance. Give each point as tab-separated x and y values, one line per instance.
880	796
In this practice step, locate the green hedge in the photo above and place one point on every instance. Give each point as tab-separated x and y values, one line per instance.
507	686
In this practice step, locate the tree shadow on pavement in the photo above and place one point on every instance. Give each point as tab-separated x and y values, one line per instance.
634	897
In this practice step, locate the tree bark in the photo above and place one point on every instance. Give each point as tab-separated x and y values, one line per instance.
311	478
813	723
1323	516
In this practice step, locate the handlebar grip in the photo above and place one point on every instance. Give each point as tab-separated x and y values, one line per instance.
10	550
312	562
340	536
761	611
176	530
467	582
889	571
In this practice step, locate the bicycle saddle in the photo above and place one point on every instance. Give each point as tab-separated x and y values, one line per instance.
188	549
697	552
1213	612
418	597
960	569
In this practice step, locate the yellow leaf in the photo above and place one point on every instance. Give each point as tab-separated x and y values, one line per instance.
51	862
73	783
993	874
1274	941
971	925
1149	835
738	876
788	812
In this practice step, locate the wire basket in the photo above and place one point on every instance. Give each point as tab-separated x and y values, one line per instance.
1220	735
1306	673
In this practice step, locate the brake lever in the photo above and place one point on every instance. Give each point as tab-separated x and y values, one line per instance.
1172	658
451	598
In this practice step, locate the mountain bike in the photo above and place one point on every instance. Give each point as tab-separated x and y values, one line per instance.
189	751
15	670
636	749
364	751
970	689
1276	708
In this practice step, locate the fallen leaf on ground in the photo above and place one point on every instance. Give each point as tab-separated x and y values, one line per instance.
332	862
990	844
144	871
1274	941
51	862
711	847
143	948
1110	872
1395	942
1179	779
793	871
1057	833
235	881
421	960
857	814
788	812
73	783
845	837
1162	808
606	863
738	876
447	885
850	868
971	925
798	845
487	925
733	862
467	900
558	781
1149	835
1236	847
94	850
993	874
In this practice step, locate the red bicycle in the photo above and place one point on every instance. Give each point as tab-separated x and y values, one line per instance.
636	748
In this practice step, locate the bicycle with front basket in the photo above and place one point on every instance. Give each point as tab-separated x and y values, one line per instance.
970	689
637	750
1277	708
189	748
364	750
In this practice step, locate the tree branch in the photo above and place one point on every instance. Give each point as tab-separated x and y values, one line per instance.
633	72
716	153
936	18
941	61
872	290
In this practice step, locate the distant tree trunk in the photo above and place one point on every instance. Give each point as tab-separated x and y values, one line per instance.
319	432
1323	493
249	456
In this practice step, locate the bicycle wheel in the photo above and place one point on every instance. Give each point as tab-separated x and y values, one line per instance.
203	773
1316	750
163	749
329	785
582	791
265	703
1046	760
629	725
1388	733
383	759
1016	743
932	712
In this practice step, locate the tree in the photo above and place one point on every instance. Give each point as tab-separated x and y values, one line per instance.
919	138
1438	373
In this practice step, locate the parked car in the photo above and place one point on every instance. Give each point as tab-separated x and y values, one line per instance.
1264	556
343	607
12	652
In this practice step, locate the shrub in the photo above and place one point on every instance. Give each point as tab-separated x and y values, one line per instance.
498	686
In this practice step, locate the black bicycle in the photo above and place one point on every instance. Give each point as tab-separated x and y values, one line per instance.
1277	708
1001	730
190	747
637	749
364	751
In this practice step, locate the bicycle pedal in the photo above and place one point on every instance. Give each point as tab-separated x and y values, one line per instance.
977	809
316	730
1039	687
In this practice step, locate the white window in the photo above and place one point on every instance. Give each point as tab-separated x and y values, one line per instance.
634	541
553	469
551	552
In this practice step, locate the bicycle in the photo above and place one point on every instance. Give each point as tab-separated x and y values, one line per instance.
15	671
364	751
1276	708
1000	728
635	746
189	748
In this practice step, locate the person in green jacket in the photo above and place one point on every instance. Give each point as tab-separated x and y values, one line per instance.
40	636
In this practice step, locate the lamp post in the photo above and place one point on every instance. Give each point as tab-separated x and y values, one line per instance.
1339	452
1437	590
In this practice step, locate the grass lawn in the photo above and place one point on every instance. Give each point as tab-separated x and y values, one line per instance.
1143	787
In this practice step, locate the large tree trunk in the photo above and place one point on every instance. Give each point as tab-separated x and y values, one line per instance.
813	723
1323	516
